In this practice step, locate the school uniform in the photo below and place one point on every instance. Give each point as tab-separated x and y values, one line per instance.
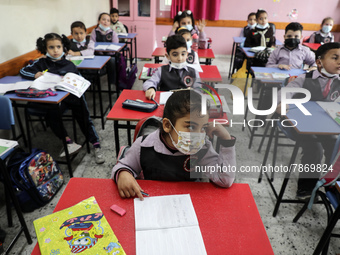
202	37
296	58
254	37
192	58
85	48
245	31
77	105
118	27
312	151
155	160
320	37
167	78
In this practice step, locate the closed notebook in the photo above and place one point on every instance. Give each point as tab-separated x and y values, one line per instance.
81	228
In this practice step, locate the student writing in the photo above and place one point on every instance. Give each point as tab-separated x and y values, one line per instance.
324	85
177	74
292	55
172	152
55	46
186	19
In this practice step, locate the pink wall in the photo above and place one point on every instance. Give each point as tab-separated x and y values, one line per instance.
277	11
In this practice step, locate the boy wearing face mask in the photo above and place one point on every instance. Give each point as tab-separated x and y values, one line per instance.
292	55
324	35
81	45
324	85
176	74
251	24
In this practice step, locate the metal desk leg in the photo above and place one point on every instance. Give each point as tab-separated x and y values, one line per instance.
135	49
101	101
231	60
116	134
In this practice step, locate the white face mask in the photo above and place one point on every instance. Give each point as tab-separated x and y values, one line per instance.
262	26
48	55
103	28
251	26
83	41
178	65
329	75
189	44
188	143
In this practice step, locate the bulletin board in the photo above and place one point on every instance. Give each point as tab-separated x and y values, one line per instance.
303	11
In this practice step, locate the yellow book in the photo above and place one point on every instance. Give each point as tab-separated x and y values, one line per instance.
81	228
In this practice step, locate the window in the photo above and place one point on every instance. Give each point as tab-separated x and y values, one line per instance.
165	5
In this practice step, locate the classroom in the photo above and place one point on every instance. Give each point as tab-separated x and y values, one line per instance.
247	181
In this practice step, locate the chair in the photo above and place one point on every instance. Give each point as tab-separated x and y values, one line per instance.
7	123
306	39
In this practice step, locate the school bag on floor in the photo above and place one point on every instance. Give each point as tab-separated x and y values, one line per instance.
36	177
127	75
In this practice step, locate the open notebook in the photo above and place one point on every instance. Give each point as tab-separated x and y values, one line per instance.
167	225
332	108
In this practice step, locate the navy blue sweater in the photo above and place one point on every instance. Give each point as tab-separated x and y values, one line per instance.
60	67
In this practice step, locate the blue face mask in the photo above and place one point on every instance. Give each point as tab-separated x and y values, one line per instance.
262	26
48	55
103	28
326	29
83	41
189	27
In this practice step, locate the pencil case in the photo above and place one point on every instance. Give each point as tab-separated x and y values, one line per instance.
34	93
139	106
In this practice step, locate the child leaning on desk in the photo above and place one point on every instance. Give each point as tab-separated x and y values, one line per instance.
324	85
324	35
292	55
81	45
178	149
262	34
175	75
55	46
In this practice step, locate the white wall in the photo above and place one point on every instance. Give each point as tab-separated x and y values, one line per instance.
23	21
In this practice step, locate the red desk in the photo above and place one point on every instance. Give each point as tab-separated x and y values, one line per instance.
118	113
210	73
230	223
208	54
312	46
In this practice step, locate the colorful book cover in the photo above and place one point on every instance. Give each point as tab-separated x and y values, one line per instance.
81	228
259	75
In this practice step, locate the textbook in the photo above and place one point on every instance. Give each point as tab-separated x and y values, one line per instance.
81	228
112	47
76	60
6	145
123	34
147	72
332	108
270	76
167	225
70	82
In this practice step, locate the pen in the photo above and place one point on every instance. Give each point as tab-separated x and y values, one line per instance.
145	194
155	101
45	71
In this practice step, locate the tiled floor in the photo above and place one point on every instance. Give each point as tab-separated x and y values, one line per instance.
286	237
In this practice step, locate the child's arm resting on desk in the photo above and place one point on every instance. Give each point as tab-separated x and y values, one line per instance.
31	71
225	158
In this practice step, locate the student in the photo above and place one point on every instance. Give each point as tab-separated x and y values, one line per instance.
81	45
186	19
116	25
192	55
175	75
292	55
164	154
324	85
262	34
103	33
324	35
251	24
55	46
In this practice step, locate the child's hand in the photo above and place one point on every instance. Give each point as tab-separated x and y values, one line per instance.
74	53
218	130
286	67
150	93
128	186
38	74
175	26
201	25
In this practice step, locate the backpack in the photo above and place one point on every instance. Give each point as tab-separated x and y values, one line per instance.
127	76
261	57
36	177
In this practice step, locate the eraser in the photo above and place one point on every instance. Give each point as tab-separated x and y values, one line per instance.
118	210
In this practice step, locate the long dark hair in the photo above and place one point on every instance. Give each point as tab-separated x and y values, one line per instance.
42	42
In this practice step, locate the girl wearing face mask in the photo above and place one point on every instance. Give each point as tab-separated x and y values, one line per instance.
324	35
104	33
186	19
262	34
192	58
176	150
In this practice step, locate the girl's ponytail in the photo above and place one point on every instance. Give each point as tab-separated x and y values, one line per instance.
41	45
